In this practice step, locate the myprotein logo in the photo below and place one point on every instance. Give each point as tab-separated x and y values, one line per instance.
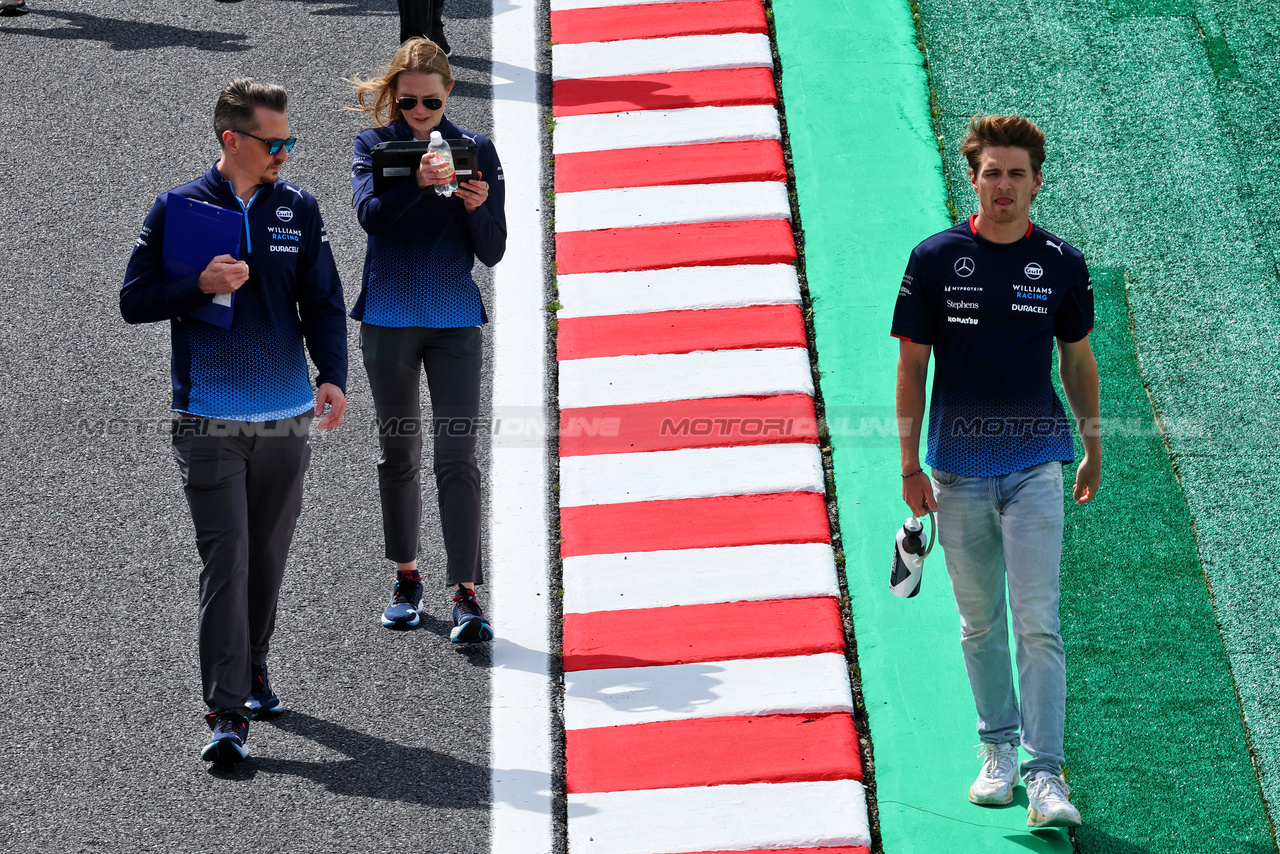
284	214
1033	271
964	267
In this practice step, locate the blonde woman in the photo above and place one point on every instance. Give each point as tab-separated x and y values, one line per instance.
419	309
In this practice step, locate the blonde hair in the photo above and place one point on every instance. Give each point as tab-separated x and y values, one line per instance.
376	96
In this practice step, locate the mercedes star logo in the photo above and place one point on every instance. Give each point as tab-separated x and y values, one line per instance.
964	267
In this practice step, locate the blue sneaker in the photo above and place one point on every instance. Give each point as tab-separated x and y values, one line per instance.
406	602
227	744
263	702
469	624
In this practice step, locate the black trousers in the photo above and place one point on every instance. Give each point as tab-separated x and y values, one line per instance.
395	358
421	18
243	483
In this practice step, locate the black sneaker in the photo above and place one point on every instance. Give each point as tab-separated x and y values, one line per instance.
406	602
263	702
227	744
469	623
17	7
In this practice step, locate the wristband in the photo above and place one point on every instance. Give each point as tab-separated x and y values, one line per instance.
913	474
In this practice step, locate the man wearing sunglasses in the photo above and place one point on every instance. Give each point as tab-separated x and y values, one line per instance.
242	397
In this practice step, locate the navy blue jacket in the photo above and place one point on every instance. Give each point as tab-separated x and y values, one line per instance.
257	370
417	266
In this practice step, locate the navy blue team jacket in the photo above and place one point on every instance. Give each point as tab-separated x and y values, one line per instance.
991	311
417	267
257	370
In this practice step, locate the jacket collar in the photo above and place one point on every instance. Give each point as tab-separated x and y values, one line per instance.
217	185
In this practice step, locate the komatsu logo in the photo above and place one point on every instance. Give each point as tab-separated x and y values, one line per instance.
971	321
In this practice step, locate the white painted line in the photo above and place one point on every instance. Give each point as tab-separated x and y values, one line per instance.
660	56
690	473
518	592
684	376
566	5
826	813
800	684
617	582
643	128
677	289
631	207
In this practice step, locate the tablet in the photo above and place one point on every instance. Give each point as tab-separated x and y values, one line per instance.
395	161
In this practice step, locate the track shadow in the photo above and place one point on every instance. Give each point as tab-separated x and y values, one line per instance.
620	95
132	35
630	687
348	8
374	767
502	72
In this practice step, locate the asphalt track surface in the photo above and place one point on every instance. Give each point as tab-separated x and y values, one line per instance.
385	744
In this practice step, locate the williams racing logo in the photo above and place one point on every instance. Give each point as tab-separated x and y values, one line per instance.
284	239
1035	297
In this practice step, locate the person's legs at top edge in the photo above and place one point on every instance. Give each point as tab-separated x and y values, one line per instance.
423	18
393	363
453	360
969	531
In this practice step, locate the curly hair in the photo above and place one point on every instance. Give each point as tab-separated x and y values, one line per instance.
1003	131
376	96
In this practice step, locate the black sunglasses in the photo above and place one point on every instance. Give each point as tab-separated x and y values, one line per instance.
273	145
406	104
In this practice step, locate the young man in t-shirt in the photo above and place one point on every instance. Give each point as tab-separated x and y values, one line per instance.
988	298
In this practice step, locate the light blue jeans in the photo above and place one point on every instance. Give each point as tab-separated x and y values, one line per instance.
993	530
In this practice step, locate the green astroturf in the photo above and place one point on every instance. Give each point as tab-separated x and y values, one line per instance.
1162	120
1153	724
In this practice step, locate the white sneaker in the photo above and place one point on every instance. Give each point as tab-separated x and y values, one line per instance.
1049	806
998	776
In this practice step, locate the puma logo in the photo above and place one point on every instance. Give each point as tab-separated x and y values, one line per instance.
1057	246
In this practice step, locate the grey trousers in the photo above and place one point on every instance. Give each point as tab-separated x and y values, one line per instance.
395	358
243	483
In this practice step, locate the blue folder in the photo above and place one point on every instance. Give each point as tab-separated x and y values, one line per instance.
194	234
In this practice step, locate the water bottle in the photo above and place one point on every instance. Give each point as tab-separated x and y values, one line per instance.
908	556
439	148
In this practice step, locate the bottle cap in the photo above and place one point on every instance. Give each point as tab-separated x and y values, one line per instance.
436	137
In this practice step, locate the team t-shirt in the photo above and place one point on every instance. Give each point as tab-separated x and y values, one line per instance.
990	311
